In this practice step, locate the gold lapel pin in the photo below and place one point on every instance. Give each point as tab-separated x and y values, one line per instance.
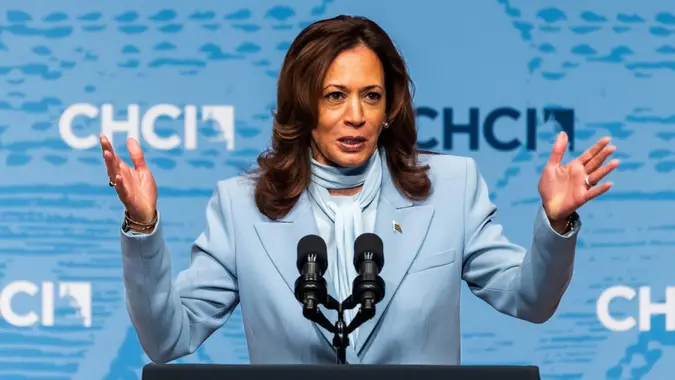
397	227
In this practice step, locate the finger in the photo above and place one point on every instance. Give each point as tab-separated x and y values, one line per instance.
109	156
126	177
111	164
559	148
596	191
601	173
125	171
106	145
599	158
592	151
105	142
136	153
122	189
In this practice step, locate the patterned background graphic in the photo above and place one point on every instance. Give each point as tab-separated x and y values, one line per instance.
611	63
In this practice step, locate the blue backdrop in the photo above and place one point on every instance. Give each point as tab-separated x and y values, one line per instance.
205	71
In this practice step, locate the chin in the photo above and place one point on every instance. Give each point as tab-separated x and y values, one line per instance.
351	159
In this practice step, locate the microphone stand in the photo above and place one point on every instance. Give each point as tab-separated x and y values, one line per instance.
340	330
310	290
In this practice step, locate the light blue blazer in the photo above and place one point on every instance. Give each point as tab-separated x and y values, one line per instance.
244	258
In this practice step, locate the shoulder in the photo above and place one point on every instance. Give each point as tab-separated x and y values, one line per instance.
236	189
444	167
453	177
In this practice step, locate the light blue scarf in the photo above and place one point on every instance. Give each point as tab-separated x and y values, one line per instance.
348	220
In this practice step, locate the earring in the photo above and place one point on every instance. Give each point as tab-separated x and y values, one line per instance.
385	125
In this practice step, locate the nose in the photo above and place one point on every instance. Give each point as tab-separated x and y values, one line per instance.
354	116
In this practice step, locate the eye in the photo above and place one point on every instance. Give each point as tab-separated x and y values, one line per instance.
374	96
335	96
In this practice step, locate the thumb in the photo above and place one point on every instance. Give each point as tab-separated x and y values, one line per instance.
136	153
559	148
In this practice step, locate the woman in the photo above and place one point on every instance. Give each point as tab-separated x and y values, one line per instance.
342	162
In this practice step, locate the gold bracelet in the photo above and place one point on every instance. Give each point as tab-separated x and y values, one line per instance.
140	224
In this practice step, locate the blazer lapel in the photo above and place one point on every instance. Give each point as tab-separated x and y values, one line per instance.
280	241
400	246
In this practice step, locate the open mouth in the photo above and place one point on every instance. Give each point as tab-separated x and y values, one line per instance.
352	141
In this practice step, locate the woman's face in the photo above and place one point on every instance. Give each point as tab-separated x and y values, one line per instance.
351	109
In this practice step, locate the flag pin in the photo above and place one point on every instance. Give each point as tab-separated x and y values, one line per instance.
397	227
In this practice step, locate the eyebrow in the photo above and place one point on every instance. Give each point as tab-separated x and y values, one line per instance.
346	89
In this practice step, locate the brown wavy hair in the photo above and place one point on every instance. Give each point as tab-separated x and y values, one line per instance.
283	171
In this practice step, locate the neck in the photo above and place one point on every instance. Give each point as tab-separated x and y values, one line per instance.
338	180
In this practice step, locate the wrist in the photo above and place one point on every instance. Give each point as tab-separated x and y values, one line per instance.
559	226
563	223
140	218
563	226
131	224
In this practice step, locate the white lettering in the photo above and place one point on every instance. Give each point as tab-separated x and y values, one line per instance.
148	127
649	308
66	126
48	304
6	295
646	308
145	124
109	125
78	292
224	118
602	308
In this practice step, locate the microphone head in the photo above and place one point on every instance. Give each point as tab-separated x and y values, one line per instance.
368	247
312	247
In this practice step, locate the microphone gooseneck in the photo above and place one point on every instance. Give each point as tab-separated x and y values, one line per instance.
310	287
368	286
367	290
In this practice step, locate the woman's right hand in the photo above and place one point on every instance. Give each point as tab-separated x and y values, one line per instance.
135	187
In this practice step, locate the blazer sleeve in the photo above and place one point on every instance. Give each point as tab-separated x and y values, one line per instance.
527	284
173	318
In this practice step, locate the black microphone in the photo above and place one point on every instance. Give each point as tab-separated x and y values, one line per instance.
368	286
310	287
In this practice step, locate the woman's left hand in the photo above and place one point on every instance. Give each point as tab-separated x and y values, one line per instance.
565	188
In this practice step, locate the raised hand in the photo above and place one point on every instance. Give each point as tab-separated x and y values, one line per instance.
565	188
135	187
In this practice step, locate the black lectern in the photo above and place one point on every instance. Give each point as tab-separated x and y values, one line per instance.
336	372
